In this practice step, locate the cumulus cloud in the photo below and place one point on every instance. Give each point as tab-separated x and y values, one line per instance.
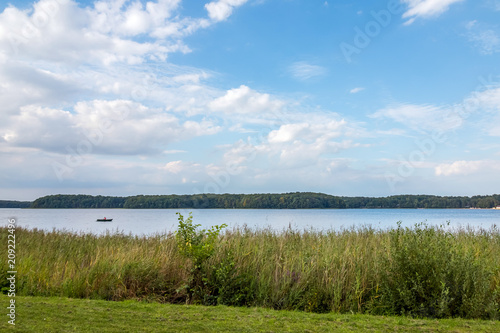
77	36
220	10
117	127
243	100
39	127
108	32
307	131
299	144
66	68
59	53
426	8
296	144
131	18
312	162
107	92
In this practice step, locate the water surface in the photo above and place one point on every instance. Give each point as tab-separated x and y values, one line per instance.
151	221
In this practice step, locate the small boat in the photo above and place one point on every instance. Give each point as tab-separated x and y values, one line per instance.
104	220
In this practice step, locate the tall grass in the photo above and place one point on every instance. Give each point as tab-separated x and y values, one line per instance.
420	271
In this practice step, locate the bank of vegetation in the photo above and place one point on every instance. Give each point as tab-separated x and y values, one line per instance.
14	204
297	200
422	271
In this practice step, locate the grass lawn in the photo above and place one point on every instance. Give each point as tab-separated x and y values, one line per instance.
55	314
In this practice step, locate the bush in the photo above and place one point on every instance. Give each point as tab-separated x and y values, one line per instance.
198	246
429	274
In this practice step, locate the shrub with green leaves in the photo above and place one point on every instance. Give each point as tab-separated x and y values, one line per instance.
429	274
198	245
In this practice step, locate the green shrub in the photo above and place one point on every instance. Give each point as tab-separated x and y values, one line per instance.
227	286
198	246
429	274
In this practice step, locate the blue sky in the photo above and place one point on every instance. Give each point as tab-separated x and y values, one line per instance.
374	98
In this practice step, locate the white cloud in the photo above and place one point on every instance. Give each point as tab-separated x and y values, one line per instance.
173	151
305	140
177	167
190	78
109	32
39	127
486	41
244	100
117	127
393	131
308	131
157	19
302	153
426	8
77	36
62	77
419	117
299	144
303	70
487	100
470	24
220	10
92	83
483	107
356	90
287	133
464	168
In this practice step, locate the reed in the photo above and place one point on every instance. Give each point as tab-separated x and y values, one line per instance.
421	271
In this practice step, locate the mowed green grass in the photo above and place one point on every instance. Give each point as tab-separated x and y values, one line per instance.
422	271
58	314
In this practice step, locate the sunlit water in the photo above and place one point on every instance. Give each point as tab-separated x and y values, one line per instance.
151	221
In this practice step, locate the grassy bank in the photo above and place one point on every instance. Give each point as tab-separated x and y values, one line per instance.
56	314
421	271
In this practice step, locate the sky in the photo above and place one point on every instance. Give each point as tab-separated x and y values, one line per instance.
350	98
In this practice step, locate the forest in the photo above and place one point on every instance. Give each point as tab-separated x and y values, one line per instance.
14	204
269	201
296	200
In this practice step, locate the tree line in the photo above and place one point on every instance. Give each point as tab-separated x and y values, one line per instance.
423	201
286	200
297	200
14	204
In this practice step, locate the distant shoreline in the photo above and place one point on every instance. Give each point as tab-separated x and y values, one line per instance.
295	200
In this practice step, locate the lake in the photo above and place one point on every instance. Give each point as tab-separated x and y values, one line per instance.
151	221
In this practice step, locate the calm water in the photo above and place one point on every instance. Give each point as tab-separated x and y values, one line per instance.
150	221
